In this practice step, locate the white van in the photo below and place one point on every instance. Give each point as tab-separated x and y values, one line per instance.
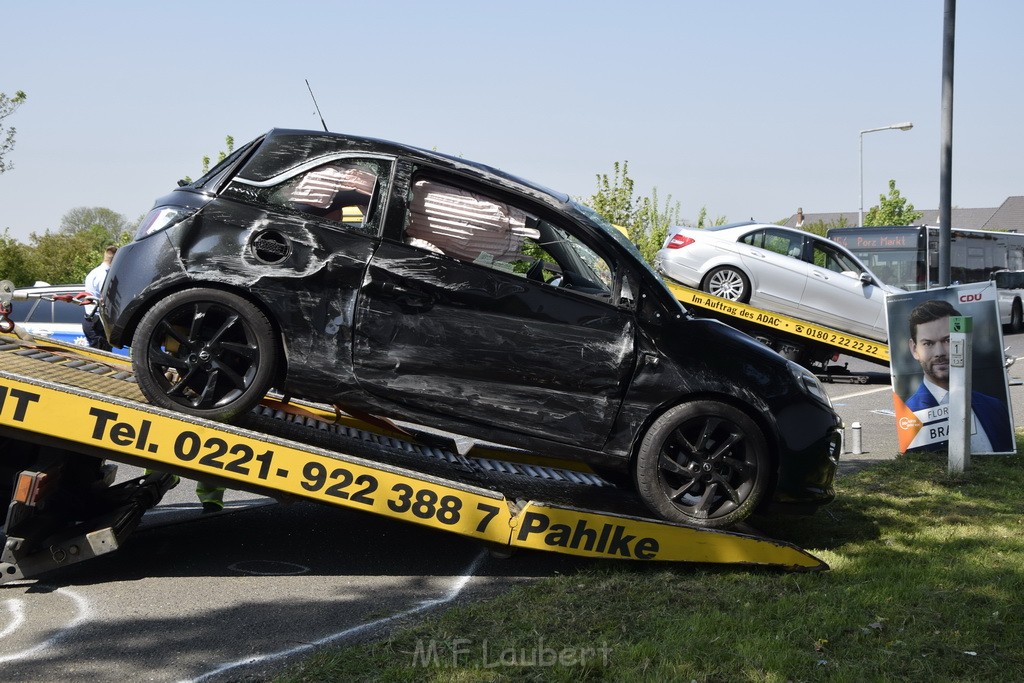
1010	287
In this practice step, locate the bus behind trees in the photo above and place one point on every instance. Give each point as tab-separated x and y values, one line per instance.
908	256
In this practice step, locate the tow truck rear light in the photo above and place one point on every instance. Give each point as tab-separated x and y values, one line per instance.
30	487
678	241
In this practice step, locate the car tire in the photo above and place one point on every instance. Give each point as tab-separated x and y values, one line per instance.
205	352
728	283
1016	317
703	463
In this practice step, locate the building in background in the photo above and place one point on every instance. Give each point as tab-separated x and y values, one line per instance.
1009	216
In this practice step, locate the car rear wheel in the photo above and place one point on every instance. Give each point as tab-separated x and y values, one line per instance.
728	283
703	463
1016	317
204	352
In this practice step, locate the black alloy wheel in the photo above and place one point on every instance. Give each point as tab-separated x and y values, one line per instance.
204	352
704	464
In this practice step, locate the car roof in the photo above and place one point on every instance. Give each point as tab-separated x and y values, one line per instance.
742	228
755	224
47	288
729	226
283	148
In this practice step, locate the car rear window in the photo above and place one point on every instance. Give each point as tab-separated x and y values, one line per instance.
341	192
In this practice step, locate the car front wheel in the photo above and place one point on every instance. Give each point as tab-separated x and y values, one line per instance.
703	463
728	283
204	352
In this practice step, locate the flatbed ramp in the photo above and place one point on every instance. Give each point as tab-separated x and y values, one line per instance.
85	401
804	341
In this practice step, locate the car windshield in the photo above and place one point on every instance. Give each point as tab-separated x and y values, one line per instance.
616	235
610	230
213	177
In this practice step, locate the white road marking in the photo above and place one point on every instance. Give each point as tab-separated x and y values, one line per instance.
861	393
82	616
17	609
424	605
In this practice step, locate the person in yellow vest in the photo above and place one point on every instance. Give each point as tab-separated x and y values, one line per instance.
210	494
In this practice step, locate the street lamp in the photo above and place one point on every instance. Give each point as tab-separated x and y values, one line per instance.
896	126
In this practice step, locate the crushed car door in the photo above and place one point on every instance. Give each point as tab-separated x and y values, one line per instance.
314	226
489	313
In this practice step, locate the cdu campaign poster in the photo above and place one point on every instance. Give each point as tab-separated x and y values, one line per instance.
919	363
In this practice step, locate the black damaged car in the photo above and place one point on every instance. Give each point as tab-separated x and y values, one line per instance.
406	283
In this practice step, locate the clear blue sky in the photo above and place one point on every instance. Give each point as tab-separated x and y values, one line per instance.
750	109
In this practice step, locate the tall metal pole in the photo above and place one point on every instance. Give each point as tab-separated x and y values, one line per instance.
946	154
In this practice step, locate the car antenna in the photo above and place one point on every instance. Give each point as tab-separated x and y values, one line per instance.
317	106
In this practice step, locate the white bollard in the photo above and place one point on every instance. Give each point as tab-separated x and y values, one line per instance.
855	446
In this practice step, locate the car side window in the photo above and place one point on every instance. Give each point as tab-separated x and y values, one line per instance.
494	233
342	191
339	191
26	312
834	260
778	241
64	312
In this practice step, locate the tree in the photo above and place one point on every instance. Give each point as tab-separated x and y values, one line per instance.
61	258
8	105
66	256
229	142
14	261
892	210
104	225
821	228
702	219
649	228
614	198
645	220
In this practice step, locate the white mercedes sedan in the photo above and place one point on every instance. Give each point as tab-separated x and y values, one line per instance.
780	269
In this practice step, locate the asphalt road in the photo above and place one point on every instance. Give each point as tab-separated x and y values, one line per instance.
240	594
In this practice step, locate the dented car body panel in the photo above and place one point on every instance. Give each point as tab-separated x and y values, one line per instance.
431	289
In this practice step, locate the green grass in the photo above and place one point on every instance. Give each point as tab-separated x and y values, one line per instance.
926	584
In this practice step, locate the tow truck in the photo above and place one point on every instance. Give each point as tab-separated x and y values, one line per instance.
812	345
69	414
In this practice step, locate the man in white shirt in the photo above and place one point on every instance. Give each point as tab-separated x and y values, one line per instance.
92	326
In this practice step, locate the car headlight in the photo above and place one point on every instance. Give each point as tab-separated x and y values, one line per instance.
161	218
806	379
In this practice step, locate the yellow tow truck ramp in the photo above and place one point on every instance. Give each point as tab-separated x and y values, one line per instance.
804	341
64	399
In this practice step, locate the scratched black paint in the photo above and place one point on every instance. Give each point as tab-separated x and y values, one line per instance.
368	321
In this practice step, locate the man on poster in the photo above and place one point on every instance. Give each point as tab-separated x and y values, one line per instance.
929	345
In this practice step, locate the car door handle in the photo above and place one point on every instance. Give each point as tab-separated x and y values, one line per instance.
818	274
406	299
757	254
